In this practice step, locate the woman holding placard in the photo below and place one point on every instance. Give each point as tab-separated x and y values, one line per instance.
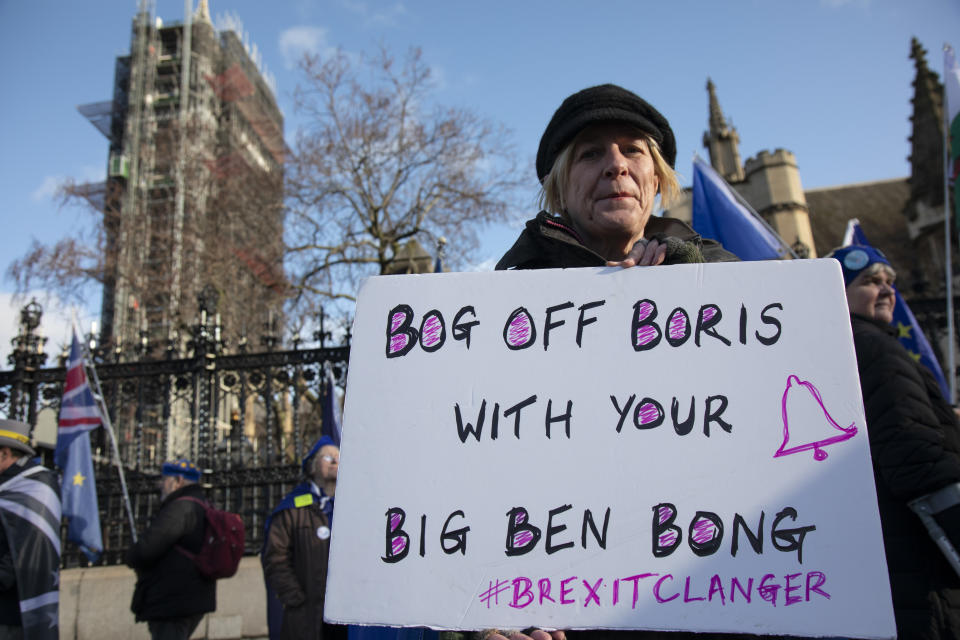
603	159
915	447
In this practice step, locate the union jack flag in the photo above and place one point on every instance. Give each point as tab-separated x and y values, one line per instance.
78	410
78	415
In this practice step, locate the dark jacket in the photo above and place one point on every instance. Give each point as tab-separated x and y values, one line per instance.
915	445
9	598
295	566
168	582
30	548
548	242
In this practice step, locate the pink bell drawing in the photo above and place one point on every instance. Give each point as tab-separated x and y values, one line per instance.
818	444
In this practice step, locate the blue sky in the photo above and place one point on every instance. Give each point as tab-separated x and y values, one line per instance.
829	80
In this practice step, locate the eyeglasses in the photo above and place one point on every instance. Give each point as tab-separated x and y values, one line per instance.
330	459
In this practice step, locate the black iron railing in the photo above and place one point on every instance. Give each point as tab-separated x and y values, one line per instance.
245	418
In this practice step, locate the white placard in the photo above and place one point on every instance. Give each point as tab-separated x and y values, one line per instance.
672	448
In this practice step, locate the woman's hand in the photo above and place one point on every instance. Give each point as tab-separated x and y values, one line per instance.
535	634
645	253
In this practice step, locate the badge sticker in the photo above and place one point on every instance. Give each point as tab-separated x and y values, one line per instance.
323	532
303	500
856	260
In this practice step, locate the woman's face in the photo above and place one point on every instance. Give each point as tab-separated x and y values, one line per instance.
871	295
611	187
326	464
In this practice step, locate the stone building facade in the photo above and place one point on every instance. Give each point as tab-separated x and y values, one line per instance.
904	217
193	212
194	192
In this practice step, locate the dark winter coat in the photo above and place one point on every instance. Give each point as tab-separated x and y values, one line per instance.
168	583
295	567
9	598
29	566
915	446
548	242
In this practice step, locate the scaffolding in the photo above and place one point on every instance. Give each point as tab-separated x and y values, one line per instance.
192	124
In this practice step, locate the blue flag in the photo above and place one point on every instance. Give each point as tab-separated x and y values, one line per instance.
908	331
358	632
78	416
720	215
331	422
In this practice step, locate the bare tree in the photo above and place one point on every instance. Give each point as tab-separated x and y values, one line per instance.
230	238
379	164
65	266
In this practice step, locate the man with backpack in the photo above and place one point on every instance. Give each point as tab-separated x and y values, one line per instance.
172	594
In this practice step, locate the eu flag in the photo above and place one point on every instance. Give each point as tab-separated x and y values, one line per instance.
719	214
78	416
908	331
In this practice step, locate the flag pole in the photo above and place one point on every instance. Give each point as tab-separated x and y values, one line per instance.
948	233
105	417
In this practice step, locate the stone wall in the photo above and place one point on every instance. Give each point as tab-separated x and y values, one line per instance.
95	605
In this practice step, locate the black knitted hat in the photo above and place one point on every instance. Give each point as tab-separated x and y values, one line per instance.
601	104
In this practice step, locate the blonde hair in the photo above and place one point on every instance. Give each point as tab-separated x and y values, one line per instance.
875	268
551	191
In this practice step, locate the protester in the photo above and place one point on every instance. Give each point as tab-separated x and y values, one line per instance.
171	595
603	159
296	547
29	539
915	446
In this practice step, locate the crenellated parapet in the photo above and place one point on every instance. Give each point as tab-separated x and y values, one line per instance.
772	185
773	180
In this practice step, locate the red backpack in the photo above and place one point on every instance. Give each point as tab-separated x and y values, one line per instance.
223	542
